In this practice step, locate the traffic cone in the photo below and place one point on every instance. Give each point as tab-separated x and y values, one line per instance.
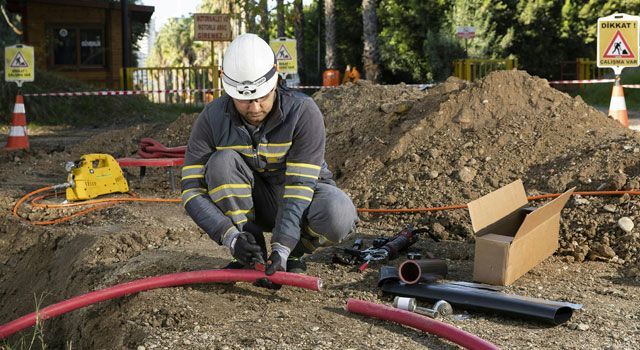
18	138
618	107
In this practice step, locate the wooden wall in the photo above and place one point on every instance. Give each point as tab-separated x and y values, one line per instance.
40	17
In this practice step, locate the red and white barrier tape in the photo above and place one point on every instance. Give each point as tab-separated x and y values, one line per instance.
588	81
175	91
592	81
118	92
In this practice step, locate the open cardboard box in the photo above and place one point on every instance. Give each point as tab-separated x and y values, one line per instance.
511	237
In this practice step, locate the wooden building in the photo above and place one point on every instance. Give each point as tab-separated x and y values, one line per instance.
81	39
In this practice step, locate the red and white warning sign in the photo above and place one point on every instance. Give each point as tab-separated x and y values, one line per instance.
618	47
618	37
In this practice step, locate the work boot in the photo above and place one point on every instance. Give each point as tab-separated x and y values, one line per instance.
295	264
236	265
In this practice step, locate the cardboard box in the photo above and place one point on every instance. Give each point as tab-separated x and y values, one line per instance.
512	237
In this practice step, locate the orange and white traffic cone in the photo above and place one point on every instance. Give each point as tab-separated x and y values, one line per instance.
618	107
18	138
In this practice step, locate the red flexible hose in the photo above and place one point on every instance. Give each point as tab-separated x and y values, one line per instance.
423	323
170	280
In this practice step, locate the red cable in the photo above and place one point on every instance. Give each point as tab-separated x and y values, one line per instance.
170	280
423	323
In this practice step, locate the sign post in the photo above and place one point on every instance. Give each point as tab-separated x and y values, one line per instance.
212	28
286	55
466	33
19	64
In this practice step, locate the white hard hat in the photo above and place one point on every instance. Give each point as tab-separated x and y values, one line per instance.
249	69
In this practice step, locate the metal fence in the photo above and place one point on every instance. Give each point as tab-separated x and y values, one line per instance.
477	68
581	69
175	85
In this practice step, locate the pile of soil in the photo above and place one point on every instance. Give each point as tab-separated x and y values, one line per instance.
396	147
390	147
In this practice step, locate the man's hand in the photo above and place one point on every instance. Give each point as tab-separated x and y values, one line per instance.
275	263
245	249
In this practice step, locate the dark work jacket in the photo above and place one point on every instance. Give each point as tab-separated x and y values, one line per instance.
290	153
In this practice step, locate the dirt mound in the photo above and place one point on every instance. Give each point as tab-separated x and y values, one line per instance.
397	147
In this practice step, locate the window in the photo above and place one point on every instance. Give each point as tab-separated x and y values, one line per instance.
78	46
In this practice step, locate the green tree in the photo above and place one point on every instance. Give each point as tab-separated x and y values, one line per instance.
415	40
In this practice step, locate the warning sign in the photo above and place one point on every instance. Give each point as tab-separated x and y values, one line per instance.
286	55
282	54
618	36
19	61
19	64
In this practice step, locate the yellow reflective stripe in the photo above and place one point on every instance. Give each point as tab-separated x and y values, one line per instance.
190	198
236	212
189	167
298	197
241	221
302	175
192	177
276	144
233	147
304	165
308	244
199	190
313	233
232	195
306	188
222	187
271	154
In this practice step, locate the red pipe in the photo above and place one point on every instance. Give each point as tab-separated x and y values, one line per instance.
170	280
423	323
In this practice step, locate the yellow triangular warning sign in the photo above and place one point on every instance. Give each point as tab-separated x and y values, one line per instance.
618	48
283	54
18	61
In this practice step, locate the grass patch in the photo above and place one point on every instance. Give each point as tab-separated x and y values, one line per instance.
83	111
600	94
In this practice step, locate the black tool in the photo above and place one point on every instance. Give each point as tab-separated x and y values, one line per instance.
389	250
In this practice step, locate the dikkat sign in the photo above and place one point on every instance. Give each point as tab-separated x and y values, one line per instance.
618	37
212	27
19	64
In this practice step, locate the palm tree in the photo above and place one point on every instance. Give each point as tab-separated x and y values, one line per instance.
330	34
298	30
264	20
280	11
370	54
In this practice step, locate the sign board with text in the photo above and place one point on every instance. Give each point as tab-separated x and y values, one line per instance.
466	32
286	54
212	27
19	64
618	37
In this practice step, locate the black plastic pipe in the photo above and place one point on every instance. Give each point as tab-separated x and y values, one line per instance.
471	298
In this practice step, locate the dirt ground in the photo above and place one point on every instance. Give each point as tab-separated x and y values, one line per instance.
390	147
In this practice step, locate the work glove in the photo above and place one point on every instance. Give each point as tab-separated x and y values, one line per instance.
244	248
277	260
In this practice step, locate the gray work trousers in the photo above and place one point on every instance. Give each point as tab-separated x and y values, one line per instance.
245	196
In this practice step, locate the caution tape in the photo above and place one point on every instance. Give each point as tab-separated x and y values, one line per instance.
118	92
174	91
592	81
588	81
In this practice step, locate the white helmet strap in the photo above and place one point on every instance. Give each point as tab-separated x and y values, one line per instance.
247	87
